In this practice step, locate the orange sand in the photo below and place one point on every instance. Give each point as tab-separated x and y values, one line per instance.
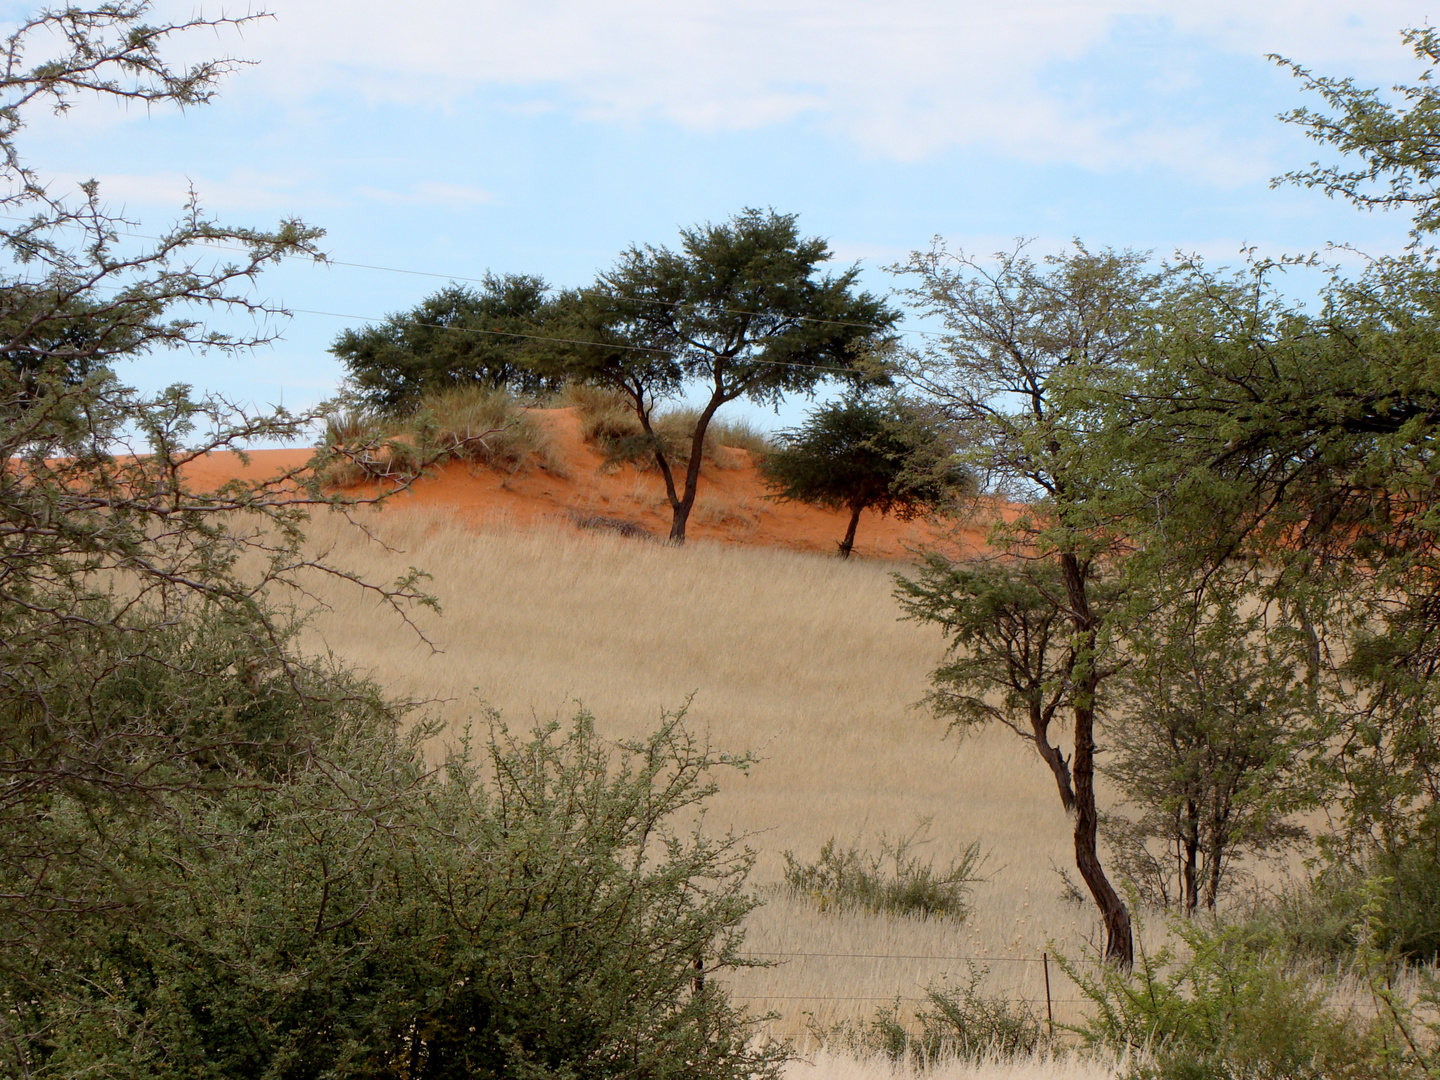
731	506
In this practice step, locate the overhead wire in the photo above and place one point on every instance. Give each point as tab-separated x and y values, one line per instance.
530	337
326	261
558	340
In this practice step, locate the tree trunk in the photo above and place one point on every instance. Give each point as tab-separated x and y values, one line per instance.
848	544
681	509
1191	893
662	462
1219	841
1119	941
1059	767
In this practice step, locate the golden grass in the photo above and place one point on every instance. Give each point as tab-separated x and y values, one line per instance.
822	1065
798	657
608	421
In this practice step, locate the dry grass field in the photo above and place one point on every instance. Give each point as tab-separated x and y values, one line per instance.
828	1066
799	657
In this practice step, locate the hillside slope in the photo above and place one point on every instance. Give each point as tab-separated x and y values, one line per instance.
581	492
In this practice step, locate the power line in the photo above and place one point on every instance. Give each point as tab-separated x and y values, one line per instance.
559	340
881	997
525	337
632	299
480	281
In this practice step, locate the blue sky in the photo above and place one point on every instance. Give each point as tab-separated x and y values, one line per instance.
450	137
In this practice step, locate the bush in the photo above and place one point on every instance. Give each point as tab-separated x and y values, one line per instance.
954	1021
475	424
896	880
1317	917
1226	1012
481	425
608	422
535	911
736	433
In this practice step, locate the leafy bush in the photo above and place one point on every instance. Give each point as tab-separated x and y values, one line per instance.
896	880
599	408
1317	917
533	911
734	432
1223	1011
482	425
954	1021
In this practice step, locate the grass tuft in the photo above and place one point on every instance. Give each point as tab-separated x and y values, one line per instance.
896	881
608	422
478	425
953	1021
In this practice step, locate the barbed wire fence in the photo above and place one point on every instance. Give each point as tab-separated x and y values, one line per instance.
1049	1000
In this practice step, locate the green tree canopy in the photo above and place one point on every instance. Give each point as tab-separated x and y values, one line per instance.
1017	332
1395	142
861	454
459	336
742	310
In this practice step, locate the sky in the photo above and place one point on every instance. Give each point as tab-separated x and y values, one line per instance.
445	138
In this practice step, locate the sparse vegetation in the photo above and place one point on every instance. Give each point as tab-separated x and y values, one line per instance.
896	880
956	1020
476	424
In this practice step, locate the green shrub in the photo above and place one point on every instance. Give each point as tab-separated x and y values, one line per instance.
954	1021
735	432
483	425
619	436
536	911
1317	917
1223	1011
896	880
608	422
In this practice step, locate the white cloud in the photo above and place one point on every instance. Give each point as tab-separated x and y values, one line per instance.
903	79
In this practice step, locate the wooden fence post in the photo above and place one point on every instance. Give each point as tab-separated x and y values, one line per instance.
1049	1012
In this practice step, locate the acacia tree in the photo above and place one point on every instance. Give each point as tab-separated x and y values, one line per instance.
457	337
859	454
1013	333
1289	455
1215	734
140	656
1399	159
740	311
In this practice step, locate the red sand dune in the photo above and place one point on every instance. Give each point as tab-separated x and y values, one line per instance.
731	506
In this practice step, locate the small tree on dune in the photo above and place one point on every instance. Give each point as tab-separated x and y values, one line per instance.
860	454
742	310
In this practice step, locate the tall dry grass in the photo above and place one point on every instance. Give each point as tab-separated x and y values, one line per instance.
608	421
798	657
823	1065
